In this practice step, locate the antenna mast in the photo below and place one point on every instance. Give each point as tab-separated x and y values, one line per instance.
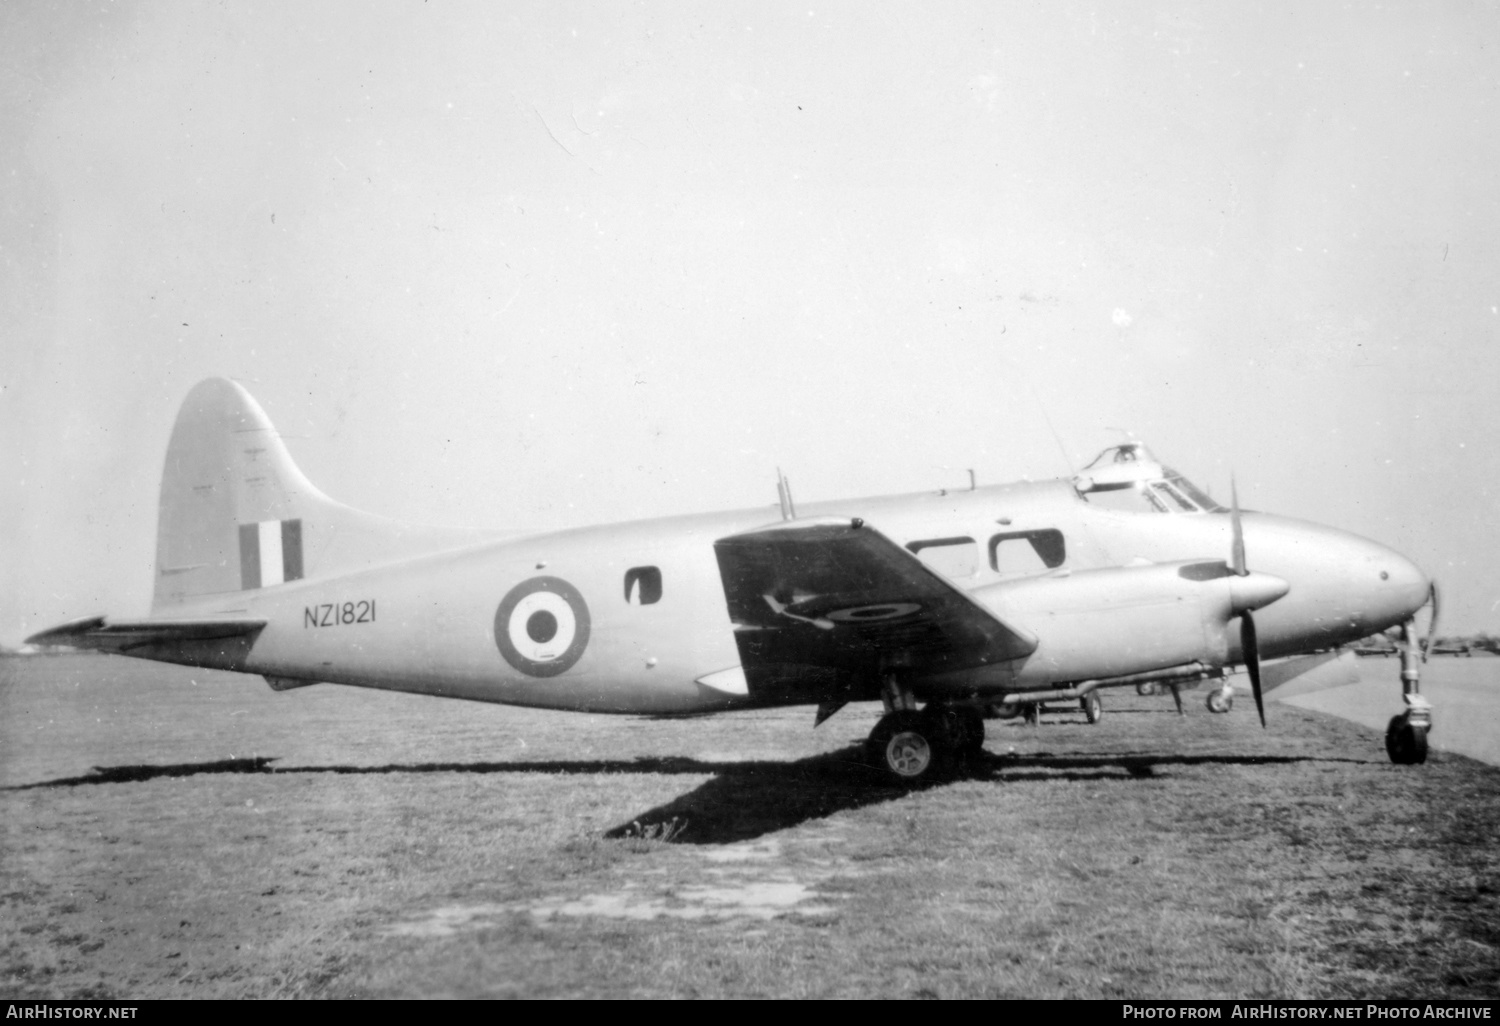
784	496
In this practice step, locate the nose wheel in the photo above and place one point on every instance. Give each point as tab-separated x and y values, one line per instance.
1406	739
1220	700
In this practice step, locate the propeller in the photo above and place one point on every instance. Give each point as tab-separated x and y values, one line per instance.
1432	623
1249	644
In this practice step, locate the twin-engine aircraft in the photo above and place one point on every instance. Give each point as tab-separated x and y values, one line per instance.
944	605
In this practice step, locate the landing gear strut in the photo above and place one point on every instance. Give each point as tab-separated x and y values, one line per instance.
1406	736
913	748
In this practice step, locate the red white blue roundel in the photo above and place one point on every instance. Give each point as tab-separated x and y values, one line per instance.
542	626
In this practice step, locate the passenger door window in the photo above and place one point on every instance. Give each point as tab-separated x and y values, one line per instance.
951	557
1027	552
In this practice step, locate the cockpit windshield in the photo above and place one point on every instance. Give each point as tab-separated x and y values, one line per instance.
1128	478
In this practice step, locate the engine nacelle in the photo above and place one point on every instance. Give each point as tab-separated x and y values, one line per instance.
1123	620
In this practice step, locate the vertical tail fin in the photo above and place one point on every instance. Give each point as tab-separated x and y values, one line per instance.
236	513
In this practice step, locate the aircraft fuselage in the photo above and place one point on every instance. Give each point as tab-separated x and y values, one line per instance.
632	617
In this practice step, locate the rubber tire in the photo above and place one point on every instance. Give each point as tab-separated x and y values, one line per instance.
1147	687
1218	702
910	749
963	725
1093	707
1405	742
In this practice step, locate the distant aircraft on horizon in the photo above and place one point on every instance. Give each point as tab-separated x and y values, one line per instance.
947	605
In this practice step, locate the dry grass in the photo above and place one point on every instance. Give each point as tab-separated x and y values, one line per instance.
330	842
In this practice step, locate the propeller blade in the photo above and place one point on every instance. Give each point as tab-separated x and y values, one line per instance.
1432	596
1250	648
1249	643
1237	550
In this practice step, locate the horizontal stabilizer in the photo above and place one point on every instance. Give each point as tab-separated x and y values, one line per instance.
99	633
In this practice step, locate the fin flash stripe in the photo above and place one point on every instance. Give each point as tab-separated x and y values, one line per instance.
270	553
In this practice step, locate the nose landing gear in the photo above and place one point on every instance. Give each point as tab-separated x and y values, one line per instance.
1406	736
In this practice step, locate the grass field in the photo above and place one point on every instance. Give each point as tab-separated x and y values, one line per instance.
171	832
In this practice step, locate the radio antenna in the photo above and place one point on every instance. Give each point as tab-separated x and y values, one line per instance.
1067	461
784	496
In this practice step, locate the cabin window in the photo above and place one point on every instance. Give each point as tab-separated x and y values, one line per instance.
1027	552
643	585
951	557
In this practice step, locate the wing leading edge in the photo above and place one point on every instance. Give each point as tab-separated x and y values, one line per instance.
821	607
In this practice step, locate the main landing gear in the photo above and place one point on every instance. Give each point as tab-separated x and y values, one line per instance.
1406	736
912	748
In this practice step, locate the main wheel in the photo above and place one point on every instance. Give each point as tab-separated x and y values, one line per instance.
910	748
1219	701
1406	742
1003	711
1147	688
1093	707
963	725
974	721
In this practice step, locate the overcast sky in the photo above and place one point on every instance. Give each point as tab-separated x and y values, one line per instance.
537	265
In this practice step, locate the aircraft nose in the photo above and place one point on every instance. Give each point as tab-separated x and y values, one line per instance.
1343	586
1404	588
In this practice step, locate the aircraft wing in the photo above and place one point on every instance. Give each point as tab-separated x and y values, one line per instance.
812	600
95	632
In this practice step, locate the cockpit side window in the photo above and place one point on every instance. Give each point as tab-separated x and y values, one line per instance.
1172	498
1128	479
1134	498
1204	502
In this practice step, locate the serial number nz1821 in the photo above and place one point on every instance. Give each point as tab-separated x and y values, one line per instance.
334	614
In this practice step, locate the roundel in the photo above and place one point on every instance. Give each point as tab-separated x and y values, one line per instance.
864	614
542	626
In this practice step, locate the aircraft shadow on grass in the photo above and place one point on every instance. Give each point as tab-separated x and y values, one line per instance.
742	800
746	800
